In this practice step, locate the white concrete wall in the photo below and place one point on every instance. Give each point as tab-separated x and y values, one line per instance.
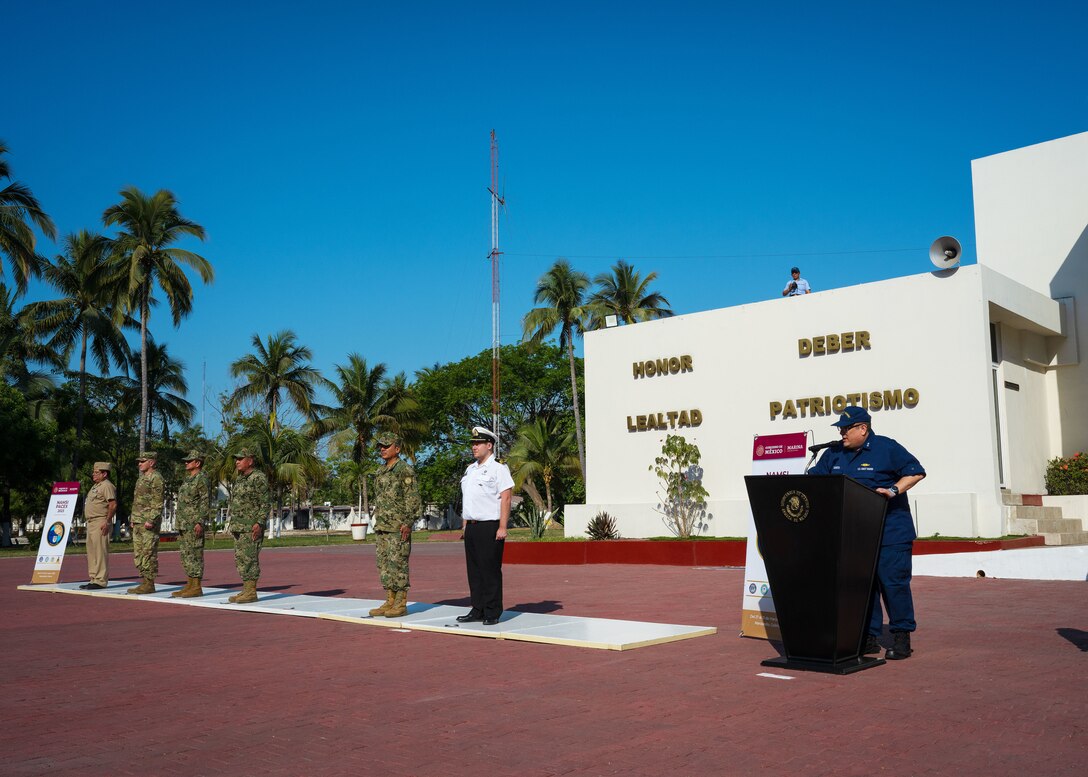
1031	224
929	332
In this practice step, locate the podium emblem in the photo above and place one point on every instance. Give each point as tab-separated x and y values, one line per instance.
794	506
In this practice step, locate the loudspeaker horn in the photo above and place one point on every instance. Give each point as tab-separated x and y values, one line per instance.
945	252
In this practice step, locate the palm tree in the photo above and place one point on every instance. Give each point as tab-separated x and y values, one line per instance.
85	314
625	294
19	209
145	246
541	450
563	292
20	348
166	390
279	366
365	402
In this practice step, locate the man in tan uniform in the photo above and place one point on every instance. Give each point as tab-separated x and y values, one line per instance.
98	509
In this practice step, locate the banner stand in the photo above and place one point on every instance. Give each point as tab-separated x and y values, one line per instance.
55	530
772	454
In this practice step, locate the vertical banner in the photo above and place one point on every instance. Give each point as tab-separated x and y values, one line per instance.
58	522
772	454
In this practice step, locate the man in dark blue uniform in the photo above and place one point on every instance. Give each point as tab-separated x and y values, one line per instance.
888	468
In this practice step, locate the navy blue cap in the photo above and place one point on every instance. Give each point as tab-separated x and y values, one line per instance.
853	414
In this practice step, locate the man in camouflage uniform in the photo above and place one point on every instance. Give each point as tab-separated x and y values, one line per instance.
98	509
146	522
194	512
396	507
250	502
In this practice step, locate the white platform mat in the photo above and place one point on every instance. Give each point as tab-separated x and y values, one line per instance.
600	633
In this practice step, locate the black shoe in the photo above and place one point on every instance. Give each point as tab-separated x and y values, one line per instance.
490	621
92	587
900	648
469	618
872	647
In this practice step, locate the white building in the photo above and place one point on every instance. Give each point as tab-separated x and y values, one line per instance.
976	370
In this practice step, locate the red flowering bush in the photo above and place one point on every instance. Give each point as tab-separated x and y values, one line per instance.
1067	476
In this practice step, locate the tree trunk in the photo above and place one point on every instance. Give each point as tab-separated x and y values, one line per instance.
577	411
529	487
82	400
145	313
5	518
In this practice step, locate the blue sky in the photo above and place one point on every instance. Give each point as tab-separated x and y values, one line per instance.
337	153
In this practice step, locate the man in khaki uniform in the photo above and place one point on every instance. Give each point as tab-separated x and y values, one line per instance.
98	509
146	522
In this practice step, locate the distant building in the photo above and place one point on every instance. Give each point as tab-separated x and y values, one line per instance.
977	370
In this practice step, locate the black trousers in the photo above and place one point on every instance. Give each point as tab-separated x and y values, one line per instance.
483	559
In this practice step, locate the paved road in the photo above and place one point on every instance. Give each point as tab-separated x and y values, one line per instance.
998	686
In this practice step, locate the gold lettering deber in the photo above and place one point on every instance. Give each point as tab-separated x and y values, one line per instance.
823	345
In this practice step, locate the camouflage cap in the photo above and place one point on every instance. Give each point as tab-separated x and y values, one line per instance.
147	456
194	455
385	439
102	466
245	453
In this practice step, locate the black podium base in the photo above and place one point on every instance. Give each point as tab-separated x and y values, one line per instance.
842	667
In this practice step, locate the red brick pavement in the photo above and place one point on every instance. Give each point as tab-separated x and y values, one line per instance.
998	685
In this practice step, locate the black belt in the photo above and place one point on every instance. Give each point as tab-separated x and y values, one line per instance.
469	520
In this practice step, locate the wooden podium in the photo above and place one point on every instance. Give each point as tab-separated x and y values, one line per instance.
819	536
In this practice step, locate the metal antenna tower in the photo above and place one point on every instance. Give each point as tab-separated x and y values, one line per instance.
497	201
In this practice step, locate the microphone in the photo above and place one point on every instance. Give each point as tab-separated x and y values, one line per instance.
821	446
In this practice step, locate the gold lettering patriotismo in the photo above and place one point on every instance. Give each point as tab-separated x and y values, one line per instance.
669	365
794	506
665	419
822	345
816	407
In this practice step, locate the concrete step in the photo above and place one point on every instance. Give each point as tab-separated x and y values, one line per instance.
1033	513
1009	498
1066	538
1049	526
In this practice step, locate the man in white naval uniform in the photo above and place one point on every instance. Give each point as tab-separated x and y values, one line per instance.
487	489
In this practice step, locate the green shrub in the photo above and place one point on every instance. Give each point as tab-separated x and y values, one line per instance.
1067	476
602	527
529	515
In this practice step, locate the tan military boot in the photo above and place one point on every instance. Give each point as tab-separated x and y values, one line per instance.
146	586
195	590
400	605
382	609
248	594
182	591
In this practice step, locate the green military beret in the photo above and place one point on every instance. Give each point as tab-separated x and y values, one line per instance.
194	455
386	439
